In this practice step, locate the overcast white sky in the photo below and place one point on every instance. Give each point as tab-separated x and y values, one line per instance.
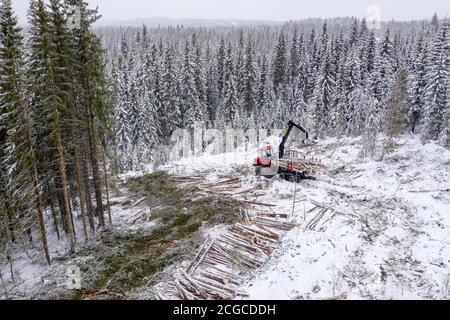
259	9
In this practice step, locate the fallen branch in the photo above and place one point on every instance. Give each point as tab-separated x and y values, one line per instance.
427	191
259	204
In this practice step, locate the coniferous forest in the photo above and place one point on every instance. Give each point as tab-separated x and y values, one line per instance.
337	77
54	120
80	105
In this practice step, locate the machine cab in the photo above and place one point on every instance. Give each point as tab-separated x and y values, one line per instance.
265	157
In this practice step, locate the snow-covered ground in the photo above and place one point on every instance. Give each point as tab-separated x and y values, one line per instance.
386	235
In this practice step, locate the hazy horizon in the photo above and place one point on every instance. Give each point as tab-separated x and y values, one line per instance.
261	10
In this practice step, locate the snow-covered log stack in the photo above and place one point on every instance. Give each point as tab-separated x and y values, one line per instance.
301	166
215	273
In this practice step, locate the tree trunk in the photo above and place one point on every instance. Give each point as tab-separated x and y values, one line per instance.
41	213
71	212
36	186
55	222
8	207
11	267
4	286
79	184
105	172
96	172
10	219
60	198
49	201
64	185
86	182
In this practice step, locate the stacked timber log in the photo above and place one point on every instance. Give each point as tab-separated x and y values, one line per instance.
301	166
216	271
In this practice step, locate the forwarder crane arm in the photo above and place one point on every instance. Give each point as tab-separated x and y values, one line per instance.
287	134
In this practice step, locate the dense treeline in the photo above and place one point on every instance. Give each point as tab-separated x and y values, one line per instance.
53	125
337	77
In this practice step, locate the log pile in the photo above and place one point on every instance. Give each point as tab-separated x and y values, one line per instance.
308	144
302	166
215	273
216	270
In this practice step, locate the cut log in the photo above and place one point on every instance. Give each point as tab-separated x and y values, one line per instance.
259	204
199	291
202	256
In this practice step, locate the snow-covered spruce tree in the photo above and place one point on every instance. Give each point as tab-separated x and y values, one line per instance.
122	110
145	37
153	84
239	61
437	90
230	111
150	100
192	106
298	107
314	59
147	122
20	156
221	58
294	56
418	82
323	45
354	33
133	106
363	31
170	113
408	48
144	128
379	84
387	66
250	83
435	23
113	88
338	123
305	77
212	92
338	53
124	48
200	71
367	53
357	103
352	83
279	113
323	97
280	64
122	127
369	139
397	108
387	53
265	95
